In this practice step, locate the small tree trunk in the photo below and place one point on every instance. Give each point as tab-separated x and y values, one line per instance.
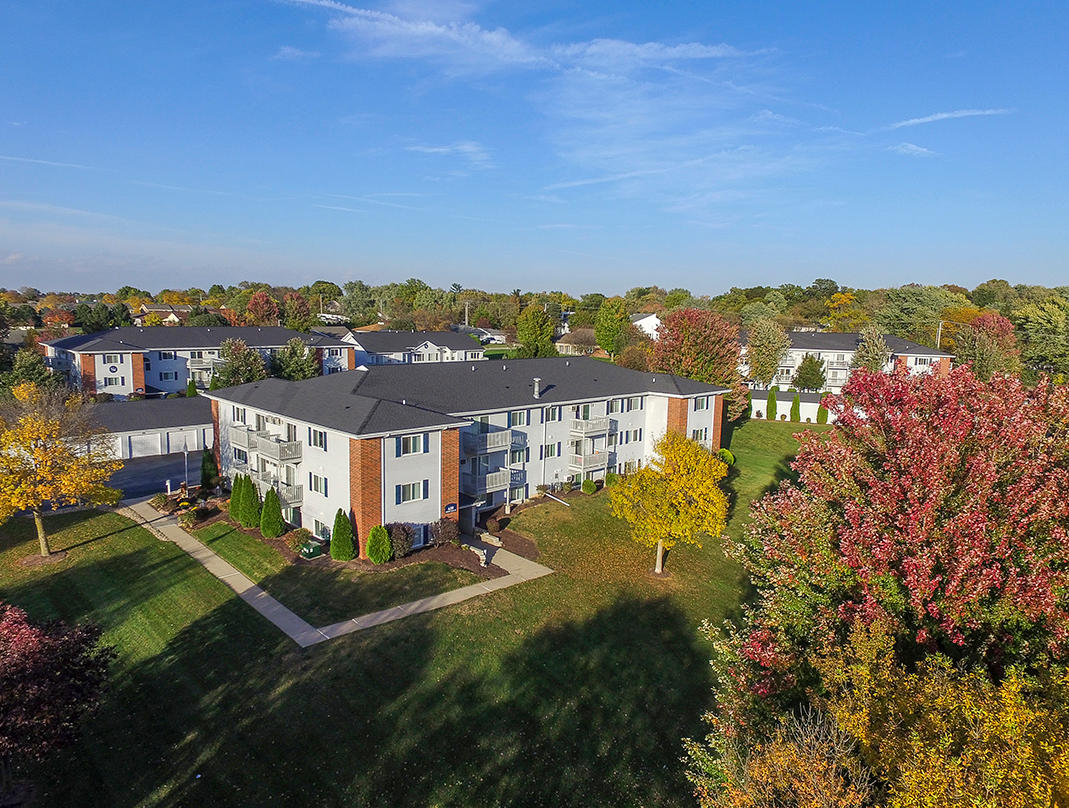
42	537
659	568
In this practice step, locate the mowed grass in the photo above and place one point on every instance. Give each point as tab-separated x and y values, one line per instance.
570	690
325	593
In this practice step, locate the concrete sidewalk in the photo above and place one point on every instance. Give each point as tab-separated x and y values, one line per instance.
519	569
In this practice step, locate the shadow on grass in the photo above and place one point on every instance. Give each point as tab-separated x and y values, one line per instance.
585	713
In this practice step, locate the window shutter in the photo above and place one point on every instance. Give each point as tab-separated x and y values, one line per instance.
426	442
122	380
558	448
541	452
426	489
397	494
527	455
324	486
397	447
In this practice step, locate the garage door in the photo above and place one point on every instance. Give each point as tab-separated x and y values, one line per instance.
145	445
181	439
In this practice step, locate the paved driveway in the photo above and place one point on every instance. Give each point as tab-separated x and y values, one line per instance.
144	476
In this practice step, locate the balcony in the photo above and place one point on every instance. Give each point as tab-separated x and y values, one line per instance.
208	363
476	443
244	436
588	462
289	496
590	426
494	481
284	451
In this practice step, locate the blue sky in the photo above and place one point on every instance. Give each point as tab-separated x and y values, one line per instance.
537	145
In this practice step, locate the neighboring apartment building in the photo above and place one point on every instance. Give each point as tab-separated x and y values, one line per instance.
404	347
414	443
646	323
836	351
158	360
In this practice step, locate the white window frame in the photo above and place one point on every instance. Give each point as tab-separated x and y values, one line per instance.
317	438
549	450
238	415
701	403
113	381
411	444
517	418
167	355
240	455
321	530
411	492
168	375
113	359
552	414
318	483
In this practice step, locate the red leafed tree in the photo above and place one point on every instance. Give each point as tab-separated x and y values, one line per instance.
51	677
938	507
262	309
701	345
59	317
233	317
989	346
296	312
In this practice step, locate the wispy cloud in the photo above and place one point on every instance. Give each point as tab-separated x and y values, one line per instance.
341	208
912	150
11	258
373	199
56	210
288	53
475	154
54	163
946	116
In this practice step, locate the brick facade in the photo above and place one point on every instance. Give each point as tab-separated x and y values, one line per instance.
137	364
451	472
216	449
718	420
943	368
350	359
87	364
365	487
677	415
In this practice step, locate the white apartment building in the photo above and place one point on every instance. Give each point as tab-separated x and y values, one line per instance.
415	443
403	347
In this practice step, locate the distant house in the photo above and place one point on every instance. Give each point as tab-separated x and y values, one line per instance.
170	315
836	352
405	347
157	360
647	323
580	342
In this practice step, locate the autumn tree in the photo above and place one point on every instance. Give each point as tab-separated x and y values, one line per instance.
241	364
704	346
988	345
297	314
262	309
675	498
1043	327
845	314
534	332
152	319
52	453
809	374
609	325
766	345
872	353
51	679
295	361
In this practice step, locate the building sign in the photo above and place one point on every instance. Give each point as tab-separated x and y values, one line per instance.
451	507
113	369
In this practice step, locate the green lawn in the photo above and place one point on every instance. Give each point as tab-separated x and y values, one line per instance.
324	594
573	689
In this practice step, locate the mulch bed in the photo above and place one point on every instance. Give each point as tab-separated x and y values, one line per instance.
519	544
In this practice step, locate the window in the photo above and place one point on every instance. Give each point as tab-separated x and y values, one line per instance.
240	455
700	434
552	414
636	435
166	354
616	405
321	530
112	359
519	456
196	354
701	403
238	416
410	492
317	438
518	418
922	360
334	352
624	438
317	483
518	494
169	376
114	381
613	439
551	450
634	403
410	444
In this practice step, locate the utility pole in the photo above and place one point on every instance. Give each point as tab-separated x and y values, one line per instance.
938	334
466	304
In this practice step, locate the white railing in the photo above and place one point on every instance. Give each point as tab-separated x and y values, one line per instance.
485	483
289	496
590	426
590	462
278	449
244	436
485	442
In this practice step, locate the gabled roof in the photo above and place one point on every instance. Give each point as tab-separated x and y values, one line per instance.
390	398
642	315
849	341
134	416
394	341
145	338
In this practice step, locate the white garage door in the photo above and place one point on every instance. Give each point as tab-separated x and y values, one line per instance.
145	445
181	439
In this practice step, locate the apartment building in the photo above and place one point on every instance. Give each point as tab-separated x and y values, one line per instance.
403	347
158	360
836	351
415	443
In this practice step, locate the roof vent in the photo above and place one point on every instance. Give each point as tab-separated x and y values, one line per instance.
473	368
567	363
537	387
504	367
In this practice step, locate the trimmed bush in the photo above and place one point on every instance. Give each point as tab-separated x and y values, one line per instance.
822	414
234	507
158	501
298	538
378	545
445	531
796	408
771	405
209	471
271	524
589	487
401	538
341	539
611	479
726	457
191	389
249	513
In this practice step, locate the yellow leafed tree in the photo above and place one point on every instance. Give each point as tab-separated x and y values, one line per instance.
52	453
676	498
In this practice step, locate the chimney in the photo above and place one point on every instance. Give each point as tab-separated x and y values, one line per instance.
537	387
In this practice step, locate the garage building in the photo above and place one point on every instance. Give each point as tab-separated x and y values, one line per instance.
157	426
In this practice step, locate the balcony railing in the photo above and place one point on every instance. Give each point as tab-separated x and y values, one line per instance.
286	451
485	483
289	496
486	442
244	436
588	462
590	426
208	363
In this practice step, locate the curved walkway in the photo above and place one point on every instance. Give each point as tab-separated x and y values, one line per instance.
165	527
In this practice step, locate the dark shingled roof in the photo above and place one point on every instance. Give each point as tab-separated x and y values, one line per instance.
387	398
835	341
138	338
394	341
153	413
